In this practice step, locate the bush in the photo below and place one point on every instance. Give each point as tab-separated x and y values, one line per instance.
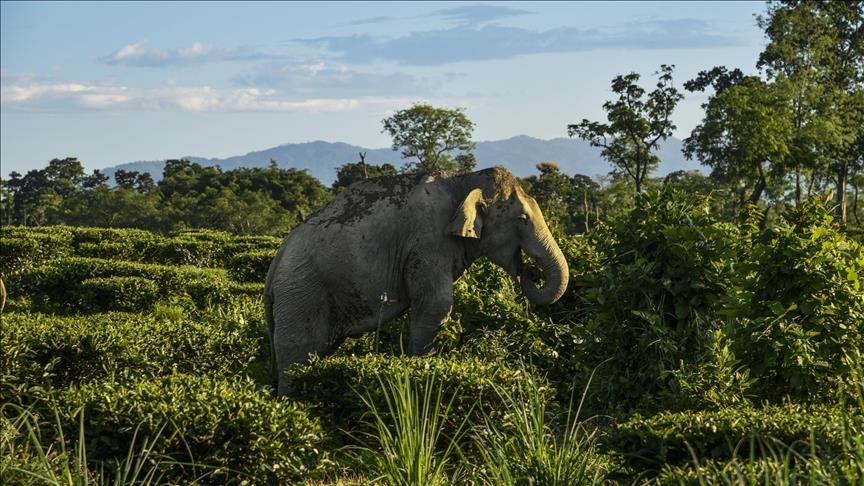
674	438
22	248
799	310
57	284
220	430
128	294
333	386
649	308
56	352
250	266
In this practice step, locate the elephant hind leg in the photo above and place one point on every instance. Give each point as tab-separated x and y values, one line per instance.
301	329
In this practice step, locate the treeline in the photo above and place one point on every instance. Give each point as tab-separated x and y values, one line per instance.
243	201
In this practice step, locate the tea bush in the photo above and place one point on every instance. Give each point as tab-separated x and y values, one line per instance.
55	352
128	294
57	284
799	309
676	437
216	429
333	386
250	266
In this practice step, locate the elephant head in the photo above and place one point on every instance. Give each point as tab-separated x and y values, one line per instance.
504	221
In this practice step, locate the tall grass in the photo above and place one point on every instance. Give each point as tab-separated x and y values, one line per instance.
36	451
410	447
525	447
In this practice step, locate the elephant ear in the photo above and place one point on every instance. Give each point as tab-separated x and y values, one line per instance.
467	221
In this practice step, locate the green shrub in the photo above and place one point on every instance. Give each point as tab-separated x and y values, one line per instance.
800	306
128	294
22	248
220	430
333	386
57	284
250	266
674	438
55	352
649	308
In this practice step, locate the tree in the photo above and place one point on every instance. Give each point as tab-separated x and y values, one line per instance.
431	136
817	48
636	125
744	137
352	172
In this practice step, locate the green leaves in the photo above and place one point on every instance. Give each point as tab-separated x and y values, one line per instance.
431	135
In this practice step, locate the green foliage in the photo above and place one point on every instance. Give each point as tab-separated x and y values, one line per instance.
528	446
221	430
22	248
409	446
467	384
59	284
250	266
128	294
650	305
431	135
799	310
675	438
41	351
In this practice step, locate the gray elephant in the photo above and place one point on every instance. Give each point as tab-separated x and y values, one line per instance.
408	237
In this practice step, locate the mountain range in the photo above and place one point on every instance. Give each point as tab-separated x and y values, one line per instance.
520	154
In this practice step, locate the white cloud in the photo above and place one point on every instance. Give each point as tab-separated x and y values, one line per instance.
139	54
27	94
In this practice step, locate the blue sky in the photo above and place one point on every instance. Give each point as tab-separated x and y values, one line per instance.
119	82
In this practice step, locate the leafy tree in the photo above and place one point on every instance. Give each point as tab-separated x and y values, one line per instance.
96	179
352	172
636	125
745	136
431	136
135	180
818	49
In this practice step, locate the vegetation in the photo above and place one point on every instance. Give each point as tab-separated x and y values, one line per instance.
431	135
712	331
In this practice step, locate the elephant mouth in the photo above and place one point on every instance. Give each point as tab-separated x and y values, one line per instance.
530	273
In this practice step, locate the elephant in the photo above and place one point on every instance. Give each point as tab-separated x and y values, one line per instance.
394	243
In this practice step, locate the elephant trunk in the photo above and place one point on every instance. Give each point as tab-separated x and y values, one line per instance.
553	265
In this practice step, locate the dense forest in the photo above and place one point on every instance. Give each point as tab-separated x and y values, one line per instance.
712	331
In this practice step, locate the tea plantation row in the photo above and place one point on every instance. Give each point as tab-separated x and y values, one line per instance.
706	350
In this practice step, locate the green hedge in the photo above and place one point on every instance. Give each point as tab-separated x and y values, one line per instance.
58	285
334	386
216	430
55	352
251	266
24	247
130	294
674	438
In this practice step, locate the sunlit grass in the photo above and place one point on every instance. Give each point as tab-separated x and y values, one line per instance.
410	447
39	452
524	447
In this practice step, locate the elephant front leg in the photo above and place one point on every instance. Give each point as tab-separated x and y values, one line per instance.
430	306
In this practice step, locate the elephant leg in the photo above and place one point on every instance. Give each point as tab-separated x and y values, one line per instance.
302	329
431	303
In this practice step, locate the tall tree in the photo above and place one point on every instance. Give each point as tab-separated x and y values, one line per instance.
744	136
432	139
818	48
636	125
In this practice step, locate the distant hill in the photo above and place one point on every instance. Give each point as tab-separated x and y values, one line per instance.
519	154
